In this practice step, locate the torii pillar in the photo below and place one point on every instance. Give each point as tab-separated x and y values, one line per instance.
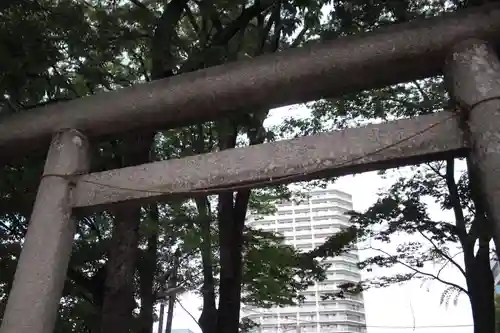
473	74
41	271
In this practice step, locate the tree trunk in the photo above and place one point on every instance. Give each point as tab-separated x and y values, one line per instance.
232	215
93	286
118	302
170	313
208	317
479	278
162	66
160	321
162	59
481	287
119	288
231	223
147	273
171	299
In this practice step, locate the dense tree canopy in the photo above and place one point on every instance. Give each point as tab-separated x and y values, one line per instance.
55	50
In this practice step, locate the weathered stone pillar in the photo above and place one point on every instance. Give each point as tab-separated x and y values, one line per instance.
41	272
473	73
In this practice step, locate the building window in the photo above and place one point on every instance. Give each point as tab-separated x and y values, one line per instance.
307	328
322	226
320	209
353	328
329	326
266	223
320	201
302	237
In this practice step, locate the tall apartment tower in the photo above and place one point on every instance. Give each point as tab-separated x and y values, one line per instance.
495	268
305	226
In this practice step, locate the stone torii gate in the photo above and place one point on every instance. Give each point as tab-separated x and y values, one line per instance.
460	45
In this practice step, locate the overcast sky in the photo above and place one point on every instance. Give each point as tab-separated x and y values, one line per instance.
398	309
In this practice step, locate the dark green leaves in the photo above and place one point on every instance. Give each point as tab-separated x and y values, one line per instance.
275	273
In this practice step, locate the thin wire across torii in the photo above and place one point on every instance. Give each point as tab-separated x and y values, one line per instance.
271	181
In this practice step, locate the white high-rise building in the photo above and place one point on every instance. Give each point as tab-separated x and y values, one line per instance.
307	225
495	268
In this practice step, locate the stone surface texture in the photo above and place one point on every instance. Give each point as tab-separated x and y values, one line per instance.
38	283
390	55
354	150
473	74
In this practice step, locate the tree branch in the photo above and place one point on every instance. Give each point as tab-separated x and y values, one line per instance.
90	223
421	272
436	170
443	254
5	227
207	7
299	37
455	201
165	30
275	42
446	263
425	96
192	19
139	4
223	36
479	206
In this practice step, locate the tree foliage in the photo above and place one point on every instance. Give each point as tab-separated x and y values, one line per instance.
60	50
400	218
